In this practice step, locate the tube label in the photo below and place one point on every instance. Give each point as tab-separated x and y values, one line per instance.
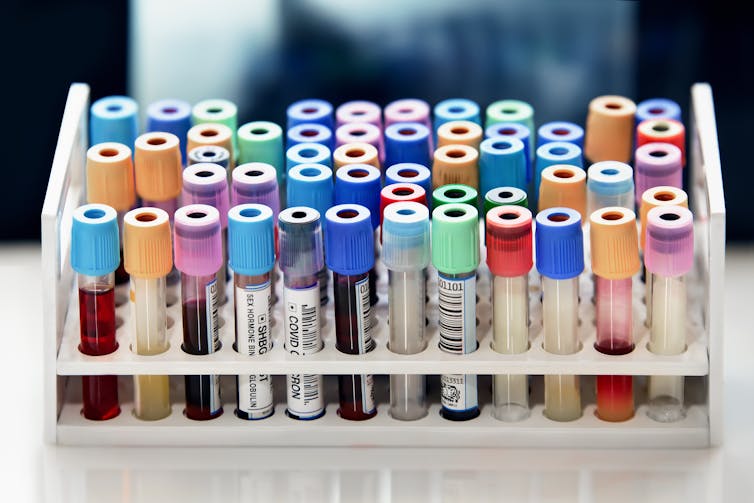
254	396
457	306
253	318
305	400
364	315
367	393
213	323
458	392
301	320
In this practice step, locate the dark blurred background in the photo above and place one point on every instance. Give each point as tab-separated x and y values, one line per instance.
266	53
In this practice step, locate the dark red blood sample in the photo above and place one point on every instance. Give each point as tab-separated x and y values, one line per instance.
100	397
97	319
615	397
351	398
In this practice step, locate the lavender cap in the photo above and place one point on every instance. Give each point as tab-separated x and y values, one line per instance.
657	164
198	240
207	183
669	249
256	182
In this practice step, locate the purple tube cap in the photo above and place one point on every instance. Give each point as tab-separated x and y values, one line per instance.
256	183
658	159
198	240
207	183
669	249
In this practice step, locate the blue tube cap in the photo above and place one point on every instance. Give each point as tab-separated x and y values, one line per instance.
658	108
560	131
95	240
171	116
349	239
407	142
508	129
556	152
310	185
251	239
359	184
502	163
559	243
114	118
409	172
308	132
456	109
308	153
310	111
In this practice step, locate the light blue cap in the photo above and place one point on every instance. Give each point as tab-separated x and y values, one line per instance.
405	236
359	184
658	108
502	163
610	178
251	239
456	109
309	133
308	153
95	240
114	118
520	131
556	152
310	185
559	243
560	131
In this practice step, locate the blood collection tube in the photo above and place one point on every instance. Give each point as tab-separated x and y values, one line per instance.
408	110
207	183
400	193
361	112
559	229
502	163
560	131
609	132
456	109
504	196
460	133
311	111
563	186
455	255
217	111
208	133
662	131
310	133
615	259
360	132
110	181
301	258
509	257
199	255
408	142
355	153
95	256
454	164
669	256
556	152
114	119
609	183
307	153
657	108
411	173
657	164
256	183
454	193
514	130
262	141
148	255
349	250
158	170
405	253
516	112
210	153
251	243
171	116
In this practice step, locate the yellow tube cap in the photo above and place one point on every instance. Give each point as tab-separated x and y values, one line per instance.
147	243
658	196
460	133
563	186
614	243
110	176
456	164
355	153
157	163
610	129
210	133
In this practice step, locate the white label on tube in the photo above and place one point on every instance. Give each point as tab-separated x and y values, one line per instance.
253	318
367	393
213	323
215	399
305	400
457	306
302	320
458	392
363	315
255	395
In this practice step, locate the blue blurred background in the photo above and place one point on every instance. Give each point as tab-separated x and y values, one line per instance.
266	53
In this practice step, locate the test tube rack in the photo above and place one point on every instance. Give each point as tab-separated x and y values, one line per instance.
701	363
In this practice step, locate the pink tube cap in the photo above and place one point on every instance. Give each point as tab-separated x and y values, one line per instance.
657	164
669	250
509	248
198	241
207	183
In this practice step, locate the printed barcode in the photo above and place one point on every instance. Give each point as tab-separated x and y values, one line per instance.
451	306
309	328
364	315
302	336
311	387
212	314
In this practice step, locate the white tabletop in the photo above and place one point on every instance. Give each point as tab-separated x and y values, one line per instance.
33	471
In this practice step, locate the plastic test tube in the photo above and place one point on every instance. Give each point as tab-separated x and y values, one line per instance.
95	256
312	185
148	257
312	111
349	249
355	153
218	111
455	255
251	243
509	257
110	181
609	183
460	133
615	259
307	153
560	131
502	163
262	141
556	152
210	153
198	255
454	164
563	186
454	193
408	142
209	133
657	164
171	116
301	258
207	183
669	255
559	229
609	131
405	253
504	196
114	119
408	172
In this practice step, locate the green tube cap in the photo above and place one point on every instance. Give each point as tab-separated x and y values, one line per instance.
454	193
504	196
262	141
455	238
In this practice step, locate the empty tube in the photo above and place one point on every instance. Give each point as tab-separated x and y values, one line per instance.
669	255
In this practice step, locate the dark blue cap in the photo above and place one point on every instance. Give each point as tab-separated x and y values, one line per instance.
310	111
658	108
251	240
359	184
310	185
114	118
349	239
507	129
560	131
171	116
309	132
559	243
410	172
95	240
407	142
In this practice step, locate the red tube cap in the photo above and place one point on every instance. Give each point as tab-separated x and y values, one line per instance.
401	192
509	248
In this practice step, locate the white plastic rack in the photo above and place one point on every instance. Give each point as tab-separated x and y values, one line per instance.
701	362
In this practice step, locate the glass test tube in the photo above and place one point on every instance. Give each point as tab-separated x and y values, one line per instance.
148	254
350	256
559	229
251	245
301	258
509	257
615	259
669	255
94	256
405	253
455	255
198	255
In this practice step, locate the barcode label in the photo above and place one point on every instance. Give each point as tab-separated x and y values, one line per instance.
213	322
305	400
457	306
364	315
367	393
253	318
458	392
255	395
302	335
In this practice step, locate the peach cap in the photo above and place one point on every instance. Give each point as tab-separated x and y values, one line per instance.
460	133
658	196
147	243
614	243
610	129
110	176
563	186
454	164
211	133
157	164
355	153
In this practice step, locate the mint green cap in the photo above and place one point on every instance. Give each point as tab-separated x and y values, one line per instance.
455	238
454	193
516	111
217	111
262	141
